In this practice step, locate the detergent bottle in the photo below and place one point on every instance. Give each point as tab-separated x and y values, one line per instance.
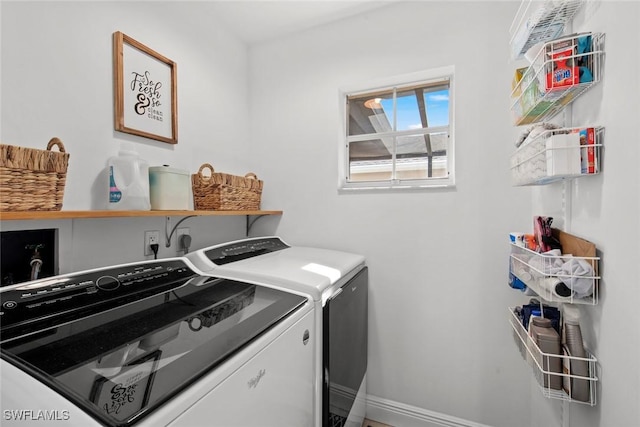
128	181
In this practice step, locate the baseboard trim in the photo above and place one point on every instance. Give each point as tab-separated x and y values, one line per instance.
400	414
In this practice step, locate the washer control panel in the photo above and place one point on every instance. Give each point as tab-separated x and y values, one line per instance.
65	293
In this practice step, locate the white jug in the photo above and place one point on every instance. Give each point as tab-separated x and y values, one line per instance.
128	181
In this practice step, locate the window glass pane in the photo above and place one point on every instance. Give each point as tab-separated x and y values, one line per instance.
370	160
370	171
437	103
391	133
422	106
408	111
440	169
370	113
422	156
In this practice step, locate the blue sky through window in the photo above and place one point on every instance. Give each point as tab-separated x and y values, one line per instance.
437	103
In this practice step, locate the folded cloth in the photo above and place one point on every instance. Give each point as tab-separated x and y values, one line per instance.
533	131
549	263
579	276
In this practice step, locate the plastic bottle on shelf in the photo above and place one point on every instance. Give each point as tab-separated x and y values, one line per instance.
128	181
574	345
548	341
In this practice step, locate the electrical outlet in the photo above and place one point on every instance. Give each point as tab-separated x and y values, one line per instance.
150	238
179	233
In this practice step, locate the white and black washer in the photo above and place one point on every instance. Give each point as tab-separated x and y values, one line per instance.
338	284
155	344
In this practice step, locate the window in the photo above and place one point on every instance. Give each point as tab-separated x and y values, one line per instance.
399	134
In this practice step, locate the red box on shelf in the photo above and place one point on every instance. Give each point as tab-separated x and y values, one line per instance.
588	154
564	73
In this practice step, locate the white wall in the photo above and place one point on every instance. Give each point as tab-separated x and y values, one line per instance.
439	339
57	74
605	210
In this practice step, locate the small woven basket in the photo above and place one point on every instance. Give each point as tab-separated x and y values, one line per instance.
32	179
224	192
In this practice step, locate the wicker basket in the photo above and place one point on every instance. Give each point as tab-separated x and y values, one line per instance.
31	179
224	192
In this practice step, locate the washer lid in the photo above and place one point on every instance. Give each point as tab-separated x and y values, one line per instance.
121	362
303	269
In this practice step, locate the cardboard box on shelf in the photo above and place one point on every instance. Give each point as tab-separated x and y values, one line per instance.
516	87
576	246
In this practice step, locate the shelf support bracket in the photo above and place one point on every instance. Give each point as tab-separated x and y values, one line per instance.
168	234
250	222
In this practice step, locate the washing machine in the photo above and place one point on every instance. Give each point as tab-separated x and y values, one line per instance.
338	284
155	343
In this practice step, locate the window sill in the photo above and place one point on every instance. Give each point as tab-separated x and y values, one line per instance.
383	187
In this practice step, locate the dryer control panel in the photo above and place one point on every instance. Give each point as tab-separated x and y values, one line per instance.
237	251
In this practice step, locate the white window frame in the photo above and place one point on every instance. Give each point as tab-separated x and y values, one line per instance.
416	78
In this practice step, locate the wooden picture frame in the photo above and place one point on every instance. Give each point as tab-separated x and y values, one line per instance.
126	393
145	86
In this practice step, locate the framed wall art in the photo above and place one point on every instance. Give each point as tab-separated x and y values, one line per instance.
145	86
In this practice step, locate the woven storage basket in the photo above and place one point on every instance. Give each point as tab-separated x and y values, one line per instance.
32	179
224	192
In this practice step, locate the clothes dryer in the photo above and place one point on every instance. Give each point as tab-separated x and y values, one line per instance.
338	284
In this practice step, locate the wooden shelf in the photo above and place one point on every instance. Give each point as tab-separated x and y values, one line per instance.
42	215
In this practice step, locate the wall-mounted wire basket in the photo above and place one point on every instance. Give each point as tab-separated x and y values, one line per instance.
537	22
556	78
558	154
557	278
540	361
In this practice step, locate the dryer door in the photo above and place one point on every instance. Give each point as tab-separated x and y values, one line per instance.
345	352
